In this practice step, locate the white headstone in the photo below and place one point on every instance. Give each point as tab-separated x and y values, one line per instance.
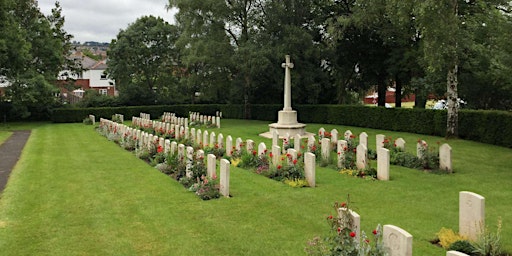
400	144
421	148
471	214
397	241
167	146
211	165
309	168
355	219
193	135
238	144
220	140
286	142
326	148
379	142
296	142
342	145
200	154
347	135
229	146
206	138
363	139
321	132
224	177
362	157
212	139
276	155
190	160
334	137
218	122
181	151
311	142
275	137
445	158
262	148
174	146
249	146
199	138
383	164
455	253
293	155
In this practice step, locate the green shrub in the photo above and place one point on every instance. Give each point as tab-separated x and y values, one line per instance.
463	246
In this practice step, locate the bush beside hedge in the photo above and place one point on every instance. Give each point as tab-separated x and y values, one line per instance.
492	127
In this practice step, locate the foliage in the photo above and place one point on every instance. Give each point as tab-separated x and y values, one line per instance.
447	237
206	188
463	246
143	60
342	237
489	243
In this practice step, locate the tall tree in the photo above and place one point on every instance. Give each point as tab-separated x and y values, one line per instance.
144	61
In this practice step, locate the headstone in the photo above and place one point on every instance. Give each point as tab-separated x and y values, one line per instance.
311	142
326	148
355	219
238	144
174	146
177	131
379	142
275	137
455	253
342	145
212	139
224	177
347	135
286	142
471	214
206	138
262	149
400	143
321	132
445	158
211	165
293	155
309	168
362	157
190	161
220	140
276	154
397	241
229	146
296	142
334	137
363	139
161	141
167	146
200	154
192	135
199	138
383	164
218	122
249	146
181	150
421	148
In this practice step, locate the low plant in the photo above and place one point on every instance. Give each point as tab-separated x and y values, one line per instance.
489	243
447	237
463	246
342	239
87	121
206	188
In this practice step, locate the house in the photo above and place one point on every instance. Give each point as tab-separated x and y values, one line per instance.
93	76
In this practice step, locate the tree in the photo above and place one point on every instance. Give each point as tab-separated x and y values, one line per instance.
144	61
31	56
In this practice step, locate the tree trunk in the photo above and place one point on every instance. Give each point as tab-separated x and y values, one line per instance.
452	121
381	91
398	92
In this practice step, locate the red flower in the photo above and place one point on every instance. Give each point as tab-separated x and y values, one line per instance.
271	155
299	154
345	149
352	234
374	232
339	230
254	152
159	149
343	204
302	146
294	161
279	167
329	217
367	241
265	151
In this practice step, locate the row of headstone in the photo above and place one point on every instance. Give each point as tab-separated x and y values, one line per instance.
168	116
145	116
118	117
93	119
396	241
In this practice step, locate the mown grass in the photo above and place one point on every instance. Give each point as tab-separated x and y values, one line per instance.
75	193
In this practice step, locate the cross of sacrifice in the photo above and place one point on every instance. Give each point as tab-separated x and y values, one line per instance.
287	84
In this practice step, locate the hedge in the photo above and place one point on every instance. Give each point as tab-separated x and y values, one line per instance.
492	127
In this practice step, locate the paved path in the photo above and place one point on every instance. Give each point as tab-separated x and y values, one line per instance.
10	152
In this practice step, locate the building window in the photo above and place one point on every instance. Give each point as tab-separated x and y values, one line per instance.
103	91
103	76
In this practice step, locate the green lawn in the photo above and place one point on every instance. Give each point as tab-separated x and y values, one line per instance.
75	193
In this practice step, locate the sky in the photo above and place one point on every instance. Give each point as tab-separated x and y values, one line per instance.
101	20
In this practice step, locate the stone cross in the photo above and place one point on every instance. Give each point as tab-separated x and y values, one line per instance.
287	84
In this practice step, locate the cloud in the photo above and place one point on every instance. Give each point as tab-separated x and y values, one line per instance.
101	20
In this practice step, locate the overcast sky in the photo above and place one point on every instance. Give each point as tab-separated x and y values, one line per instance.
101	20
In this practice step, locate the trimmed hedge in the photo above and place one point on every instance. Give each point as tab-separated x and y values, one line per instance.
492	127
